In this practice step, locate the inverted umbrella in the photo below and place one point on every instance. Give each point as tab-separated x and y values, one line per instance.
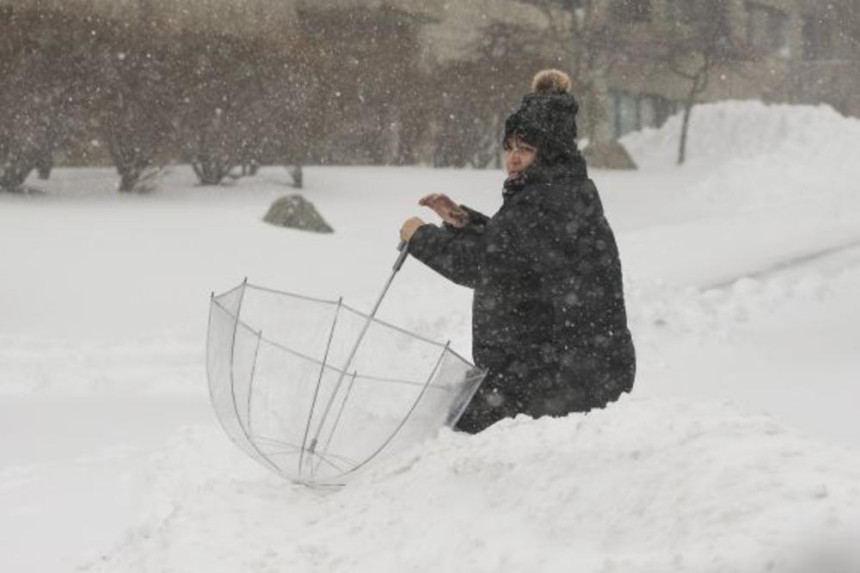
315	390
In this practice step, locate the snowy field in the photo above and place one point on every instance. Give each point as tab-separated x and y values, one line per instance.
737	450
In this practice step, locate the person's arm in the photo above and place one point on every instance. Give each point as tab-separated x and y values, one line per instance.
454	253
474	219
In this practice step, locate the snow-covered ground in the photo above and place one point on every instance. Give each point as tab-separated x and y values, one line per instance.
737	450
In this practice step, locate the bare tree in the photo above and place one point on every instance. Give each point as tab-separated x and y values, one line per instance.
137	102
699	41
41	93
214	84
26	138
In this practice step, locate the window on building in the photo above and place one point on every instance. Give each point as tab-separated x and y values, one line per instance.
632	112
767	29
626	113
817	38
631	10
647	112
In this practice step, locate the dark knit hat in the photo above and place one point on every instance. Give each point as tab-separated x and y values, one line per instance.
546	119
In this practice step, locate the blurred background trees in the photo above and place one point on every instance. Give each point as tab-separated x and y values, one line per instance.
343	87
472	97
47	90
140	85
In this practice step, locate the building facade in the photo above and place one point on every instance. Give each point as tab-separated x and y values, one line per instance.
795	51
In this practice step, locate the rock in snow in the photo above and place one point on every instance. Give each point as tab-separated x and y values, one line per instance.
296	212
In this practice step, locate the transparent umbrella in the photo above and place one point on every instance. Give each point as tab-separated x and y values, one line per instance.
315	390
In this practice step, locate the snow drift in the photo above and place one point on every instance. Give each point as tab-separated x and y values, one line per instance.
759	153
646	485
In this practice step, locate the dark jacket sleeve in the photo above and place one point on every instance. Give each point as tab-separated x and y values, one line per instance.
477	220
454	253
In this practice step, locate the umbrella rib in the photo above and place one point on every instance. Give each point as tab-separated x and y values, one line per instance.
339	413
405	418
349	308
251	381
317	389
292	294
293	447
245	431
338	370
321	457
328	366
393	327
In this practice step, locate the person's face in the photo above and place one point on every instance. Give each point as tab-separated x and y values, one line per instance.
518	156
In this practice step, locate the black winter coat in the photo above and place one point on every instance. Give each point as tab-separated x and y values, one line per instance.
549	321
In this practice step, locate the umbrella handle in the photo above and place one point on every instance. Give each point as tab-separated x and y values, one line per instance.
403	247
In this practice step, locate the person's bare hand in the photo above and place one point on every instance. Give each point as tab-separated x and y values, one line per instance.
449	211
409	227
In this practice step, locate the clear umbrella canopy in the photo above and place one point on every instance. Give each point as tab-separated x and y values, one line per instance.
315	390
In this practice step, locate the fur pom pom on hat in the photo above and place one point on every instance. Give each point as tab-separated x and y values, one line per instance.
551	82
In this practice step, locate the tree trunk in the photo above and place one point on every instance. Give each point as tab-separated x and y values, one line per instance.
213	158
599	132
692	95
130	170
128	178
296	174
210	170
685	127
13	176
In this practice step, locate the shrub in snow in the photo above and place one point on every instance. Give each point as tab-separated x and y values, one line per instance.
296	212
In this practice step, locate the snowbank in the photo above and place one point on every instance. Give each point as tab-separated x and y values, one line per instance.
759	153
645	485
763	184
736	129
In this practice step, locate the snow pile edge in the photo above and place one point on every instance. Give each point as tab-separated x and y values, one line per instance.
645	485
759	153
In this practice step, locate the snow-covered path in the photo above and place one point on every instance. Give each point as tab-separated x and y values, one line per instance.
741	436
73	469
